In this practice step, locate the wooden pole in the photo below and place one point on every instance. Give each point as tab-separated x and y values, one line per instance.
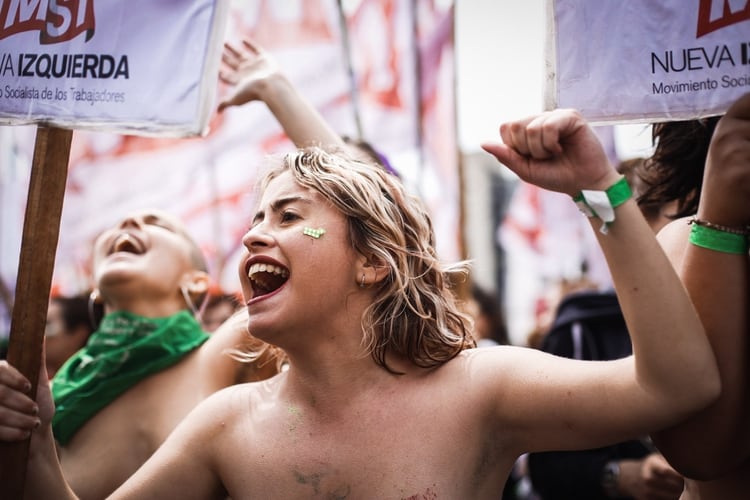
41	228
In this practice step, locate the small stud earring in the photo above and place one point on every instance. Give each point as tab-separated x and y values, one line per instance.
94	299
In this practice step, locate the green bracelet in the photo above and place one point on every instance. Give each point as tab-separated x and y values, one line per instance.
708	236
602	204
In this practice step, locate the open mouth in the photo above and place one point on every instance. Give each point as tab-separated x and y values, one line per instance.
266	278
128	244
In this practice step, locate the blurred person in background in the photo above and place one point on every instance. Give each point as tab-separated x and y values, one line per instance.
219	307
69	326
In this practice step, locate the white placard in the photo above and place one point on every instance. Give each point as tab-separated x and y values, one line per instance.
646	61
146	67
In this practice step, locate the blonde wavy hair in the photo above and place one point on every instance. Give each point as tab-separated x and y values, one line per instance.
414	315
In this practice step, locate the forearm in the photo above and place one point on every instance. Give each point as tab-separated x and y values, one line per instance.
717	280
300	120
717	283
44	477
673	359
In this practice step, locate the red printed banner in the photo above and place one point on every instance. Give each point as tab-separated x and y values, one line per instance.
645	61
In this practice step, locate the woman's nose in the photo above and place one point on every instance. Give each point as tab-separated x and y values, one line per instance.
132	221
257	236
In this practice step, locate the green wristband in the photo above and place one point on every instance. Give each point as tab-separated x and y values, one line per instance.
720	241
602	204
619	192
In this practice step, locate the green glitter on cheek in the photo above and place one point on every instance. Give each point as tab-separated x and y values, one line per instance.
314	233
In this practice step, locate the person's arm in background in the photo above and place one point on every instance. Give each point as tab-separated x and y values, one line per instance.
630	468
560	475
717	439
233	356
255	76
672	373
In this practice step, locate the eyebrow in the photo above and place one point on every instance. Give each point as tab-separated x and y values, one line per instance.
279	205
153	219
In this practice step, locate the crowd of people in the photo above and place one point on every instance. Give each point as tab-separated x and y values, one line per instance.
350	368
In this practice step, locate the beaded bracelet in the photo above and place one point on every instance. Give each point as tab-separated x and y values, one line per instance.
602	204
744	232
717	237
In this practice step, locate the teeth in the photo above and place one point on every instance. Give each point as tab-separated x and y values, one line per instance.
266	268
126	243
122	240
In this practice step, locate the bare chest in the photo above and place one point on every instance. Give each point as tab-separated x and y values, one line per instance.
394	450
118	439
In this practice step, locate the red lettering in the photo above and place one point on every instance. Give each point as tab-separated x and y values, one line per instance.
18	16
66	19
709	22
55	20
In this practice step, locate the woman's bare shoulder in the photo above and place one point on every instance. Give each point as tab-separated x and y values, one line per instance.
235	401
673	238
502	361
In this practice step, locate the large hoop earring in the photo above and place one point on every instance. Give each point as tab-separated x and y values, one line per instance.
94	298
190	303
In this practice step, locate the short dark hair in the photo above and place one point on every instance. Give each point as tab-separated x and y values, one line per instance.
74	311
675	170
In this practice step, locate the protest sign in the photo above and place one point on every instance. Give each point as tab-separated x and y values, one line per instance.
141	66
645	61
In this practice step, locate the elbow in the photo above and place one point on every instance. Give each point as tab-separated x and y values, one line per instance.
703	458
711	392
711	387
705	389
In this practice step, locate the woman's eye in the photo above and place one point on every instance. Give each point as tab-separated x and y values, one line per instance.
289	216
157	222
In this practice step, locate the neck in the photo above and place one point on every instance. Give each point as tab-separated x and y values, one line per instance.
144	308
329	389
337	377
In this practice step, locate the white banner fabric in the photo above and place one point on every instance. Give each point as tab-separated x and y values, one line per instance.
209	182
646	61
145	67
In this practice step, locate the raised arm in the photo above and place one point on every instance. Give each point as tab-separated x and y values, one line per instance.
717	439
255	76
568	404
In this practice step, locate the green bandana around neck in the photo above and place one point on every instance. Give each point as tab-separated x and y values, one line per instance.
125	349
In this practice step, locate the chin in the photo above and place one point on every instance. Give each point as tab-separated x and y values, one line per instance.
262	330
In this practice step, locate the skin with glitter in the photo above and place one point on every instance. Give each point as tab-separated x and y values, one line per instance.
314	233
